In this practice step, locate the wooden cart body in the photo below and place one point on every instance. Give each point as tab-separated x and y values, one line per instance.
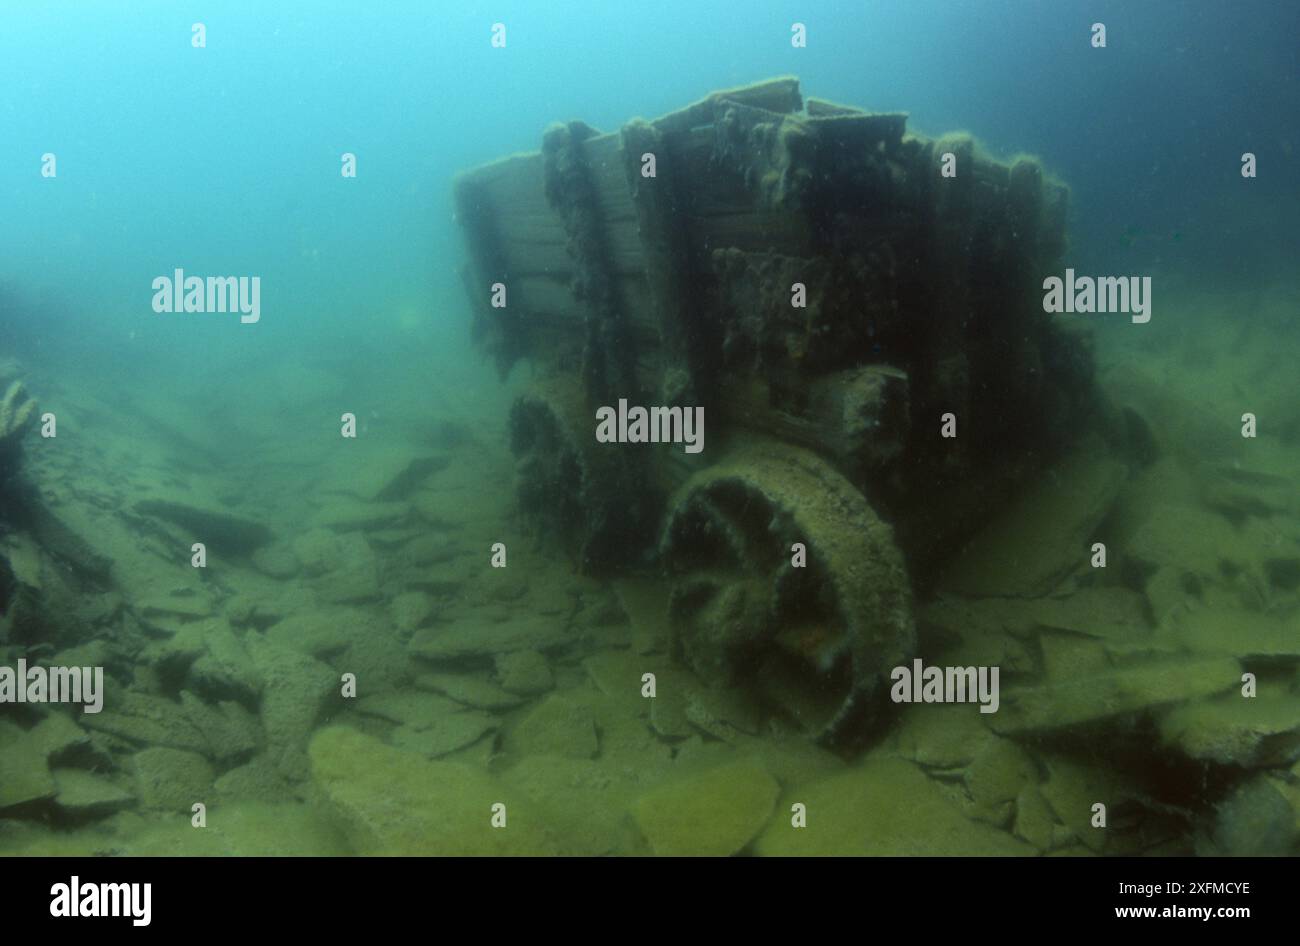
813	275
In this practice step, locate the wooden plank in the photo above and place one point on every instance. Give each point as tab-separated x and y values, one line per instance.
514	184
709	190
779	95
817	108
665	244
552	298
529	258
754	232
604	157
531	235
534	257
545	296
861	130
638	306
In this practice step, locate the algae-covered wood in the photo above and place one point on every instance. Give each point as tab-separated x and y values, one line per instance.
756	253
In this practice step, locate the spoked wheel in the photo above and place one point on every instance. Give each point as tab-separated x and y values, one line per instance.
812	639
590	504
550	469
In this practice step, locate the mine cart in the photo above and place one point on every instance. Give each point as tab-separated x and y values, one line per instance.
859	312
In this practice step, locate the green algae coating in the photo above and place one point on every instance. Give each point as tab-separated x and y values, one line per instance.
714	814
391	802
884	807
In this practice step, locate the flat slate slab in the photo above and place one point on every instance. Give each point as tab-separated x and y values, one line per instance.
187	607
231	731
1231	729
146	720
469	690
525	672
558	725
57	733
407	707
82	792
172	779
713	814
445	734
394	802
384	474
355	516
1246	634
216	528
1110	613
1045	534
882	807
24	776
467	639
297	691
1084	699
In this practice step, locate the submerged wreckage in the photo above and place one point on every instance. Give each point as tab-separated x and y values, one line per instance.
863	331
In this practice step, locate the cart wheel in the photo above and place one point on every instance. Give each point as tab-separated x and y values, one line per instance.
813	639
591	504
